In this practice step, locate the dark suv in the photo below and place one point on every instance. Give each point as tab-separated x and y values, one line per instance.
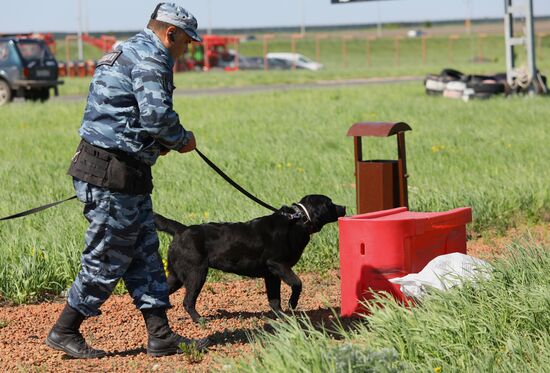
27	69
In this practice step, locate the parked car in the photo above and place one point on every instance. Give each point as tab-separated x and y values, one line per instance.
275	61
27	69
414	33
296	59
279	64
253	63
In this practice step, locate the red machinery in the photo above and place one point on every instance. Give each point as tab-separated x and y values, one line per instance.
214	52
104	42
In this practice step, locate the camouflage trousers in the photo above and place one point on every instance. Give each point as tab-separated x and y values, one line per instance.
121	242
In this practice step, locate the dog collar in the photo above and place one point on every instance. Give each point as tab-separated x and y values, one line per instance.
301	213
305	210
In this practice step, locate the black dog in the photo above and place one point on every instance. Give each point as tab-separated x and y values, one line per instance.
266	247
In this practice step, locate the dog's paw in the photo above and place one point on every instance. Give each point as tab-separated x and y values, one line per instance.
198	319
293	304
277	312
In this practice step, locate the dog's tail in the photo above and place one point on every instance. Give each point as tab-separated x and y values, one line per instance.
166	225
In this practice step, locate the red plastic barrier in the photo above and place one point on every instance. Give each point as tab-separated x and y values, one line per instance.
62	69
81	69
71	68
381	245
90	67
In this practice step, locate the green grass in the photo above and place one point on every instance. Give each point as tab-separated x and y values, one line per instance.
500	325
491	155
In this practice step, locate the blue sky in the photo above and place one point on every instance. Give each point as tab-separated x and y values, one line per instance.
128	15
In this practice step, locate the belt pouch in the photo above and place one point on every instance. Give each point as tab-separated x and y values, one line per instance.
117	172
90	165
129	176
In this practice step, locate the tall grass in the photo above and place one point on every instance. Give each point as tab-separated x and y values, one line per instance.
499	325
491	155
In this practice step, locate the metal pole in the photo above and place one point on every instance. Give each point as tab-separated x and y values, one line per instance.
530	35
80	49
209	32
470	33
303	24
468	21
508	35
86	18
379	26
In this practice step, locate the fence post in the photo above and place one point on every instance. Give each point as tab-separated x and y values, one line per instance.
266	37
345	38
236	39
397	50
318	45
424	48
480	39
293	38
451	38
370	39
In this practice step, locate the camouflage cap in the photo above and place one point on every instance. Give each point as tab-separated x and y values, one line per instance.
177	16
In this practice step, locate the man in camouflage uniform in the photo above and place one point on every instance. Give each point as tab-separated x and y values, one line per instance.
128	122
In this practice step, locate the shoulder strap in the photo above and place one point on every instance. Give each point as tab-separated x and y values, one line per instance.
109	59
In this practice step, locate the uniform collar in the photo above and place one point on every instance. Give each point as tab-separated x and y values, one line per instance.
156	41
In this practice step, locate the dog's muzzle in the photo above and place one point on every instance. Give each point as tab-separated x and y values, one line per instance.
340	211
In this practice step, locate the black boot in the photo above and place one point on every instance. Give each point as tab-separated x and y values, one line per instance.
162	340
65	336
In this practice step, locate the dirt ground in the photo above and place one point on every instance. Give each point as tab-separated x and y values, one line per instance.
232	309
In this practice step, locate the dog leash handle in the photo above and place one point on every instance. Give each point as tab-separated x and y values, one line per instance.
233	183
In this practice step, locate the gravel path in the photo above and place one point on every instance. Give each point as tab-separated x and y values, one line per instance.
233	309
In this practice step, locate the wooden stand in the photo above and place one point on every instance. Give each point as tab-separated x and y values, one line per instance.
380	184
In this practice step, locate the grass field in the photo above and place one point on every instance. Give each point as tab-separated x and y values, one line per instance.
468	54
490	155
500	325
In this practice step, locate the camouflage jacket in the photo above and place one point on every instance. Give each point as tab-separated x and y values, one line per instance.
129	105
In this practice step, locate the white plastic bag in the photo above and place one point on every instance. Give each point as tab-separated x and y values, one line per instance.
443	272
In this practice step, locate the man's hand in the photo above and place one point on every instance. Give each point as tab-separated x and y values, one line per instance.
191	144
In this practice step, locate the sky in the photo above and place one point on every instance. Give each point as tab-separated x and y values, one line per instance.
132	15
